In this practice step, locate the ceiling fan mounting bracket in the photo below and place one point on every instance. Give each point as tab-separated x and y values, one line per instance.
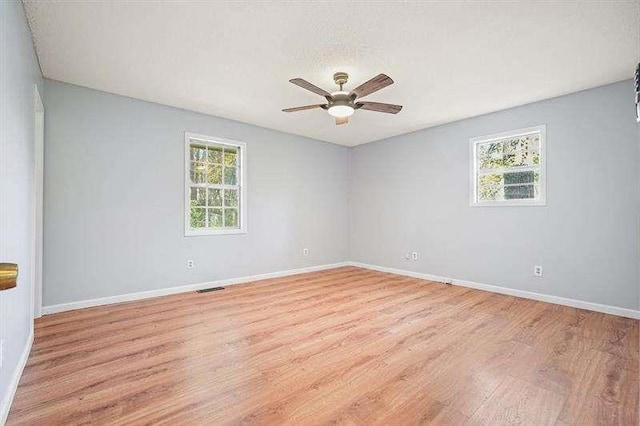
340	78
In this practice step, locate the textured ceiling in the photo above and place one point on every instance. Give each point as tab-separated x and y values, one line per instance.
450	60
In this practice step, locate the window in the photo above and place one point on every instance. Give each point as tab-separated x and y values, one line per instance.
215	186
508	169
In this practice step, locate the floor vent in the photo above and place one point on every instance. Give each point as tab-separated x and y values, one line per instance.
207	290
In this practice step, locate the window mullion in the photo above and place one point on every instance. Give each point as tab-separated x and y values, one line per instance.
519	184
508	170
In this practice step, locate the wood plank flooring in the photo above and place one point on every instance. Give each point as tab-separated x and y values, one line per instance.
345	346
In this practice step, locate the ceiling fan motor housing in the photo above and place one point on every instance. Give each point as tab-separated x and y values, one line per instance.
340	104
340	98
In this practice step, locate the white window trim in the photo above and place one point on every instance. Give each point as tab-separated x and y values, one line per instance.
542	183
190	232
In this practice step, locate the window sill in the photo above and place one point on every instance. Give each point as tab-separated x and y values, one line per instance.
202	233
513	203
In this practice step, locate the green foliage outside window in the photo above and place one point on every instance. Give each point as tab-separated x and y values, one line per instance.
495	158
214	194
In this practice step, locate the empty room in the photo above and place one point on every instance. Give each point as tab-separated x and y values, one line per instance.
319	212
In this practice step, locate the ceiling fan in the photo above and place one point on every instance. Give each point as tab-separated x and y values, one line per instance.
342	104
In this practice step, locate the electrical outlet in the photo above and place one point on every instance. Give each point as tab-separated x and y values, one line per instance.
537	271
414	255
190	263
305	252
447	280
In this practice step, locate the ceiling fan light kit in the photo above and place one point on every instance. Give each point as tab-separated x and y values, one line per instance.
342	104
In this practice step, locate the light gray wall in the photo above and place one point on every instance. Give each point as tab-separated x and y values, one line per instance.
114	185
411	193
18	73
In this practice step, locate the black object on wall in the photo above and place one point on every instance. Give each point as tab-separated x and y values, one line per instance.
638	93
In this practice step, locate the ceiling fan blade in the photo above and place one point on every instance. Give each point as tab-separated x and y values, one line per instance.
376	83
306	85
379	107
341	120
302	108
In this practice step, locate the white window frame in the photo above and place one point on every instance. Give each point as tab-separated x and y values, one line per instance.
542	182
242	185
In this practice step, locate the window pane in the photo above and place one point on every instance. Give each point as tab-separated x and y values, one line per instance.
214	174
230	156
198	152
198	217
491	187
231	197
198	197
198	172
514	152
518	177
215	197
215	218
535	148
231	218
214	154
230	176
489	155
508	186
518	192
522	151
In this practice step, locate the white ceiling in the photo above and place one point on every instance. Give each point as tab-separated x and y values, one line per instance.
449	60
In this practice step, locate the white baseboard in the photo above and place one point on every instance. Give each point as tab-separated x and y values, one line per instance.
52	309
590	306
15	379
607	309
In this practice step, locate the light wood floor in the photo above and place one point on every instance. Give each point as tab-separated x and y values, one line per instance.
348	346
